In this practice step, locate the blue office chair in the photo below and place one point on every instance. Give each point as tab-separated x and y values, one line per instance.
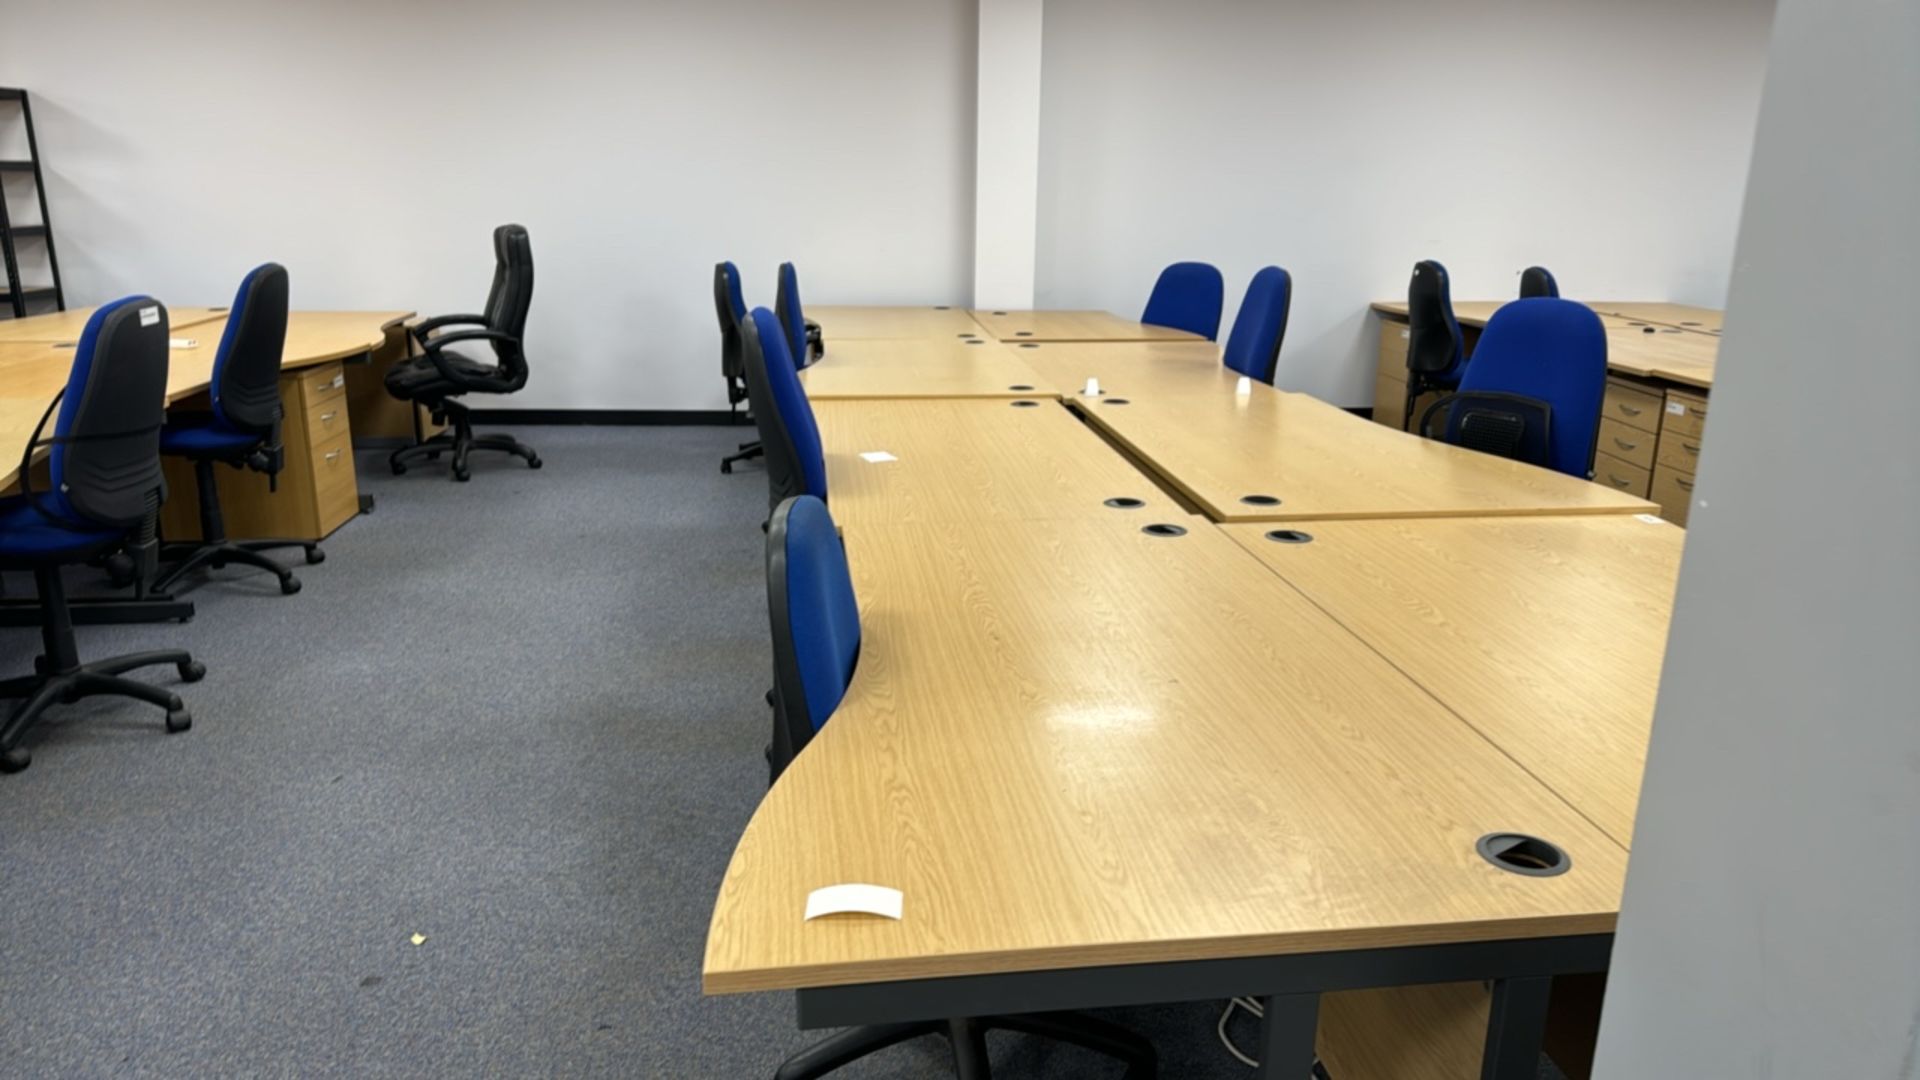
815	624
731	307
1188	296
243	431
796	464
1534	389
1538	281
1253	348
104	457
1436	350
804	342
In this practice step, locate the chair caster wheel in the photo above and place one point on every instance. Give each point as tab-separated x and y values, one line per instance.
534	462
289	585
462	475
40	664
191	670
726	468
12	761
315	556
435	456
399	469
119	571
178	720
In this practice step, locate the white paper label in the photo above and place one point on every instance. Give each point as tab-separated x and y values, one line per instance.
1677	408
1092	388
149	316
1406	335
877	456
1650	519
1244	387
855	899
339	380
183	343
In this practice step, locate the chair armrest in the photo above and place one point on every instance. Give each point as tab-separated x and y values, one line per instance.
421	330
447	371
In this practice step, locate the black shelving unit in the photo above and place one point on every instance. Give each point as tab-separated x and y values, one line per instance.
22	298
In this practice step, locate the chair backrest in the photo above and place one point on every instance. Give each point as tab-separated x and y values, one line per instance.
786	303
246	370
796	465
1538	281
1553	351
1188	296
815	621
731	307
510	296
1435	347
1253	348
105	460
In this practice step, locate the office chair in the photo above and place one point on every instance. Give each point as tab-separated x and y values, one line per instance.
1436	351
816	645
1534	389
104	456
1253	348
732	307
243	431
1188	296
796	464
1538	281
804	341
440	375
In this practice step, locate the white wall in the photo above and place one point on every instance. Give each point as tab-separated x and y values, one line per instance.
373	146
1771	924
1606	139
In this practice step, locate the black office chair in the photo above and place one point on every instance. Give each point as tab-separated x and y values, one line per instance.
1537	281
437	377
731	306
242	431
1436	350
104	462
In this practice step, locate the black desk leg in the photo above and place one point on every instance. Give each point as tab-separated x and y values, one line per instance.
969	1041
1516	1027
1287	1032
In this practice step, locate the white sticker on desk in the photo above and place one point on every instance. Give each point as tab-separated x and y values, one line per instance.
149	316
1677	408
854	899
877	456
1650	519
183	343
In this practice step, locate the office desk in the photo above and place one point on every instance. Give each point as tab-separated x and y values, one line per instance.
1686	316
921	368
1663	352
1132	369
66	326
850	323
1110	768
1316	461
1545	634
1073	326
973	460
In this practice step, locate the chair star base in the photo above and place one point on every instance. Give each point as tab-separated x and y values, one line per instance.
194	556
968	1037
460	442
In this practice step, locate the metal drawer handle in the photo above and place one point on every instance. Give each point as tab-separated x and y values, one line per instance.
328	416
1624	444
1617	482
1629	410
1690	448
1686	485
332	454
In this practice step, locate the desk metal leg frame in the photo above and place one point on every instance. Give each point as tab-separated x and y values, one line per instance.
1521	971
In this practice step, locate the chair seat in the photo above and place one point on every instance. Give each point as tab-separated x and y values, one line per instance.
418	378
205	438
27	536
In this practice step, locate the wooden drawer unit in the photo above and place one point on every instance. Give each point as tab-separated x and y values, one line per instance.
1389	401
1673	490
1679	452
317	490
1393	348
1632	405
1621	475
1630	444
1686	414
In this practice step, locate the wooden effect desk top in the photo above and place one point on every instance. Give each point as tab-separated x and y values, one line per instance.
1322	462
66	326
1073	744
1685	316
979	460
1073	326
1132	368
921	368
1545	634
848	323
1467	312
1663	352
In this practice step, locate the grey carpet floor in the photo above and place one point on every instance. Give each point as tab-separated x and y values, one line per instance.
521	717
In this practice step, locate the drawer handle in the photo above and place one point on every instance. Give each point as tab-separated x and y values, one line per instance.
1685	485
1624	444
327	417
1617	482
1629	410
332	455
1690	448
